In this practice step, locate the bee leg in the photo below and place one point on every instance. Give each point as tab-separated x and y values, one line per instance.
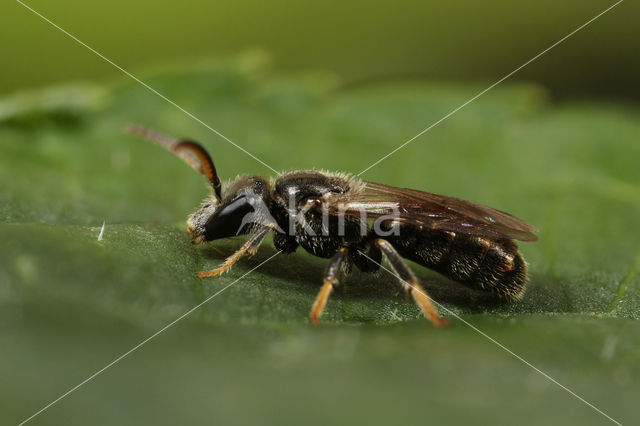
250	248
410	282
330	282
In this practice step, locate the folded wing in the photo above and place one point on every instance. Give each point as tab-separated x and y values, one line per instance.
431	211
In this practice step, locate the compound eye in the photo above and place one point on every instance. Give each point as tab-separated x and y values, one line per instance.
228	220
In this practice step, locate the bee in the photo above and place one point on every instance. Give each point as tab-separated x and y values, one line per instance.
356	223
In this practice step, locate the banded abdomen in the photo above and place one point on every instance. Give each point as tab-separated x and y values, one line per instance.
486	264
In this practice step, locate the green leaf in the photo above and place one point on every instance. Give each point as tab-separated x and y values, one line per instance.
70	302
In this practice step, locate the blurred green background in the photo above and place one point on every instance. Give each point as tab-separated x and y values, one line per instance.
332	86
453	40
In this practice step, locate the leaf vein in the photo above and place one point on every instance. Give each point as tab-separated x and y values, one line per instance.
623	286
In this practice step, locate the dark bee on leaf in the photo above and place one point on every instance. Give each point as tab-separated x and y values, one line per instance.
354	222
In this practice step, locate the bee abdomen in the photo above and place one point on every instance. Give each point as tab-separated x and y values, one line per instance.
484	264
503	270
489	265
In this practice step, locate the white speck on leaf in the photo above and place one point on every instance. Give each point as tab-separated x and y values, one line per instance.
101	231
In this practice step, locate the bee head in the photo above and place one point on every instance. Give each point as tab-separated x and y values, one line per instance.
242	207
197	222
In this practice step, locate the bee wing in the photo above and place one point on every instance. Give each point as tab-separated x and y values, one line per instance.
431	210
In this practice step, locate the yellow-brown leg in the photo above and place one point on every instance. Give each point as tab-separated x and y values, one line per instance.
250	248
410	282
330	282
